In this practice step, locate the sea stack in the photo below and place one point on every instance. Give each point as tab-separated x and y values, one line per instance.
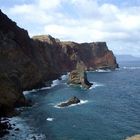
79	76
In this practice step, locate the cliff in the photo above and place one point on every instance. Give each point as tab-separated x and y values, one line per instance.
94	55
18	70
27	63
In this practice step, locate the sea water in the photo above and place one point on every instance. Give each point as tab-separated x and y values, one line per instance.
109	110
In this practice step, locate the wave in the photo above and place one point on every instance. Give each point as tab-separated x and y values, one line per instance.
26	132
50	119
64	77
81	102
131	68
54	83
29	91
36	137
95	84
35	90
101	70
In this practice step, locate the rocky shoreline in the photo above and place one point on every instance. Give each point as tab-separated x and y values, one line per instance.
5	126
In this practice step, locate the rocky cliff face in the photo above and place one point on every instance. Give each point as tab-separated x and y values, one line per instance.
27	63
95	55
18	71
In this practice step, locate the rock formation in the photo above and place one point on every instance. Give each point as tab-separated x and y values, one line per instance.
94	55
79	76
5	126
27	63
71	101
135	137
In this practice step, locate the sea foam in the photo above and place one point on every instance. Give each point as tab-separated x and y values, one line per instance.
35	90
95	84
50	119
54	83
64	77
101	70
26	132
131	68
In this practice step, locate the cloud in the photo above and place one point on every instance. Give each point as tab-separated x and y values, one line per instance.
47	5
82	21
23	9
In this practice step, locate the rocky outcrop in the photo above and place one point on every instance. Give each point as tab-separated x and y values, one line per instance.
71	101
79	76
5	126
27	63
135	137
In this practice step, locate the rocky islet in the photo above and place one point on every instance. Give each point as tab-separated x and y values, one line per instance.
71	101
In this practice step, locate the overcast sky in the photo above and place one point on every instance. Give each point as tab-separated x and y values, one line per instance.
115	21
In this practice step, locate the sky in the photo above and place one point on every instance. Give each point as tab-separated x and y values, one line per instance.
115	21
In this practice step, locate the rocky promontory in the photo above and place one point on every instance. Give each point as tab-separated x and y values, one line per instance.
27	63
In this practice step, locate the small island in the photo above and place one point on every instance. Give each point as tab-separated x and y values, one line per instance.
71	101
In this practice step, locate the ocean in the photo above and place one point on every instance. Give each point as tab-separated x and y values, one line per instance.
109	110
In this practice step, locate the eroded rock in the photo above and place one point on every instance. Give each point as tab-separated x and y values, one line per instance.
73	100
79	76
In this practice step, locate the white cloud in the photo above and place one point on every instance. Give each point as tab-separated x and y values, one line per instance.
86	8
48	5
82	20
22	9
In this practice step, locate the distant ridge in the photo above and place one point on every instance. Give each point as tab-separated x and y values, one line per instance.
127	58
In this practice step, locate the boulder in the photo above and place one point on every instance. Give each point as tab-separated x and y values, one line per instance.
73	100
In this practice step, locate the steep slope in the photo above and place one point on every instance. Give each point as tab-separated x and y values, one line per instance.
17	70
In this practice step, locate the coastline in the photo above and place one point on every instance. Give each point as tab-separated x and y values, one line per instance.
33	134
13	120
27	63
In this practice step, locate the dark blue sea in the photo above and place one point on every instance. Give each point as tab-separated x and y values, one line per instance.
110	110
